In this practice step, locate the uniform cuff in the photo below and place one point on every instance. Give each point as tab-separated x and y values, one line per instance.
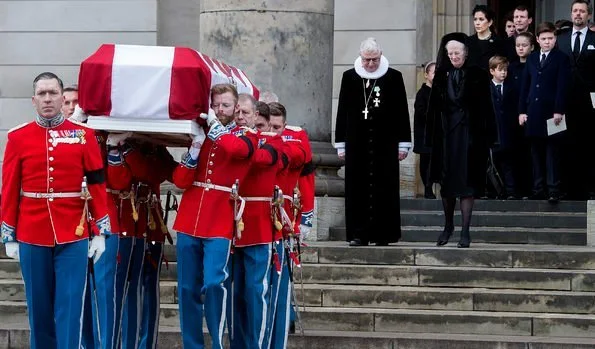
216	131
307	218
104	226
8	233
114	158
188	161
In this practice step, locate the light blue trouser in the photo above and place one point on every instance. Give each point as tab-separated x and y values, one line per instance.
248	309
150	324
133	310
55	282
101	309
125	255
279	319
202	272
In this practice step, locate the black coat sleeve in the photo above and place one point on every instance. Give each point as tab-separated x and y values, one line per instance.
419	117
404	132
342	110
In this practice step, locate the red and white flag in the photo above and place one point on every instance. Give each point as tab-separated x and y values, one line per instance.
153	82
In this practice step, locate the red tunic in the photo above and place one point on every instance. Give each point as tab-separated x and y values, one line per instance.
51	160
260	183
306	181
208	212
294	158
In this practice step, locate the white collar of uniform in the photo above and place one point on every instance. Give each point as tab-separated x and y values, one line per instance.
382	69
583	31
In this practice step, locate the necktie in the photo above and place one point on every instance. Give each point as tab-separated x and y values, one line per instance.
576	50
499	90
542	62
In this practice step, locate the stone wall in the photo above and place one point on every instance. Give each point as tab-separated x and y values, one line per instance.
56	36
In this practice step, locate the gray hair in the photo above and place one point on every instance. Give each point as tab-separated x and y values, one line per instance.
370	45
248	97
456	43
268	97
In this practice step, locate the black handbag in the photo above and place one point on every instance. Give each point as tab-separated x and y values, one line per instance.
494	177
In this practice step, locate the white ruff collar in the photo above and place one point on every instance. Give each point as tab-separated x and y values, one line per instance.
382	69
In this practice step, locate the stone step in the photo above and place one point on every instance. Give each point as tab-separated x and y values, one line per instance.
479	255
426	276
437	298
494	235
500	205
16	336
390	297
576	220
411	320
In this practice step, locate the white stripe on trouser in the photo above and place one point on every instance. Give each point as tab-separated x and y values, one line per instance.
83	306
287	313
157	299
265	288
224	305
139	301
110	345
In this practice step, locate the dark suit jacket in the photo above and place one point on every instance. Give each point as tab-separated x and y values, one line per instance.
583	79
544	90
419	119
505	110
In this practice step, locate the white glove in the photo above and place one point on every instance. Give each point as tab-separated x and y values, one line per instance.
304	232
197	142
211	118
12	249
79	115
96	247
341	152
116	139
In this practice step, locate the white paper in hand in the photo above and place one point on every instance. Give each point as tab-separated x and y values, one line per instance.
552	128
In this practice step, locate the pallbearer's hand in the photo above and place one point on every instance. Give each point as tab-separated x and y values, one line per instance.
12	249
210	118
96	247
522	119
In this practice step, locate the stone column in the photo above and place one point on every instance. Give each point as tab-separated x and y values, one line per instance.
284	46
177	23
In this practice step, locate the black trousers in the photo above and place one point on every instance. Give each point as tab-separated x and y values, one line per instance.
505	161
545	155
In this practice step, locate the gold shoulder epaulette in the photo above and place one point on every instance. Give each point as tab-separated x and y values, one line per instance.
19	126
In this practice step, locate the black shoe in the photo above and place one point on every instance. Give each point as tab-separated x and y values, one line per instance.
291	327
553	199
445	236
465	241
358	242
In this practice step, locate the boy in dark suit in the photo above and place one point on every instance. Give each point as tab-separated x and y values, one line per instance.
505	103
543	97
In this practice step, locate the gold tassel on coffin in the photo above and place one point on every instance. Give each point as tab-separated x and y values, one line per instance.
86	196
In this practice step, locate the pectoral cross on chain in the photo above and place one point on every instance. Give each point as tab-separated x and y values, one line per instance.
376	102
365	112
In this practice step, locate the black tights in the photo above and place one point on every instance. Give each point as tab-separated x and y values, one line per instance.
449	211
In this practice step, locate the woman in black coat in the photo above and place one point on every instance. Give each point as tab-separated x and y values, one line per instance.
485	43
460	128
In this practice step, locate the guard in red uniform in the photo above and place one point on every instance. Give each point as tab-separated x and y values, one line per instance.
298	179
206	217
53	191
255	256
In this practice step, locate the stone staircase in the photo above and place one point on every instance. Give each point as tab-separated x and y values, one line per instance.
528	281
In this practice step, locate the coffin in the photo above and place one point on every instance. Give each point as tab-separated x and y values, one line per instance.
152	89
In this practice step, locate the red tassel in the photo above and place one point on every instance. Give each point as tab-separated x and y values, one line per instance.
277	263
296	261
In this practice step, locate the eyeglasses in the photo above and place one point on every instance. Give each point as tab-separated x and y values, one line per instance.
371	60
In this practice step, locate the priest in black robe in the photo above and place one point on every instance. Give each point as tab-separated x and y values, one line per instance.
373	134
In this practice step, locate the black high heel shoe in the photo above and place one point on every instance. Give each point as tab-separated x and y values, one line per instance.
445	236
465	241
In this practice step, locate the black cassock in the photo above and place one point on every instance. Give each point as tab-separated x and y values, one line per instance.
372	207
